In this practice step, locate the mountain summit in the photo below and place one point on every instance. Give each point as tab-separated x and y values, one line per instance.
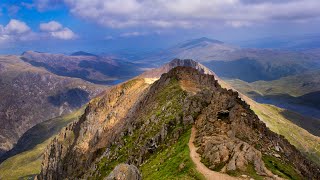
157	72
199	42
202	50
82	53
149	126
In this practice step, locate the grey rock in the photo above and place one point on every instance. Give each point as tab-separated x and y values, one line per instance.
124	172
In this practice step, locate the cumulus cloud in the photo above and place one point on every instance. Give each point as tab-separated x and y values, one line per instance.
56	30
64	34
15	30
16	27
192	13
50	26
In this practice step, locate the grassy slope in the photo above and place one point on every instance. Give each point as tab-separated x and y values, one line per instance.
169	156
172	163
23	164
296	85
29	162
297	136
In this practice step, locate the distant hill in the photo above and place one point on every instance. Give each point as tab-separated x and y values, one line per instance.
96	69
82	53
247	64
30	95
202	49
298	93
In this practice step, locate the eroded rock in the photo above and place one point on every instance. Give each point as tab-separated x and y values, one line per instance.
124	172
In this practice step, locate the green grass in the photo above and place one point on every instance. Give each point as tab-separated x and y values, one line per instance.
29	162
168	100
307	143
171	160
250	171
174	162
294	85
282	169
23	164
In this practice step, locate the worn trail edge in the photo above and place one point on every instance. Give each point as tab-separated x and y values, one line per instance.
206	172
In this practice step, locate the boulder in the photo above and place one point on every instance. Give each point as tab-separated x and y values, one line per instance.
124	172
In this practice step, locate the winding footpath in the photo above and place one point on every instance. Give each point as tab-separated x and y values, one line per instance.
206	172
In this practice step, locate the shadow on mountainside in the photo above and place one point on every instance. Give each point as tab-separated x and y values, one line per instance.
307	105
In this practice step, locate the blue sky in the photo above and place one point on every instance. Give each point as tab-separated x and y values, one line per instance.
107	25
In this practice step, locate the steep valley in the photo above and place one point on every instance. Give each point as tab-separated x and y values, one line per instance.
25	159
31	95
299	93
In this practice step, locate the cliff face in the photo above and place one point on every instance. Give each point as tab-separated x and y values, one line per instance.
135	121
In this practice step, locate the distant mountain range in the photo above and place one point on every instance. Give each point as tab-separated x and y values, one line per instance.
295	43
229	61
87	66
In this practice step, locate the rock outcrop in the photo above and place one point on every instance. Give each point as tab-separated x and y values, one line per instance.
136	120
157	72
124	172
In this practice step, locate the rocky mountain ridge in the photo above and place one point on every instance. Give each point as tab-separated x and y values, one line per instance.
135	121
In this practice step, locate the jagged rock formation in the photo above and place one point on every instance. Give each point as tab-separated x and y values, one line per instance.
157	72
124	172
135	120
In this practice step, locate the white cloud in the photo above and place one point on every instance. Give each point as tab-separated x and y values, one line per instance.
16	27
64	34
50	26
15	30
56	30
192	13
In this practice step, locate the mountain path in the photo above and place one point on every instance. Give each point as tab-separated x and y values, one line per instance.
206	172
